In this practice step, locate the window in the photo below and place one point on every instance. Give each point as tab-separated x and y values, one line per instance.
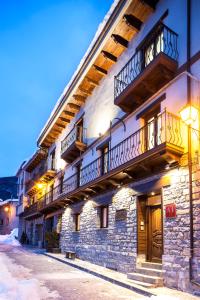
104	217
1	222
105	159
79	131
61	183
77	222
153	128
78	171
52	160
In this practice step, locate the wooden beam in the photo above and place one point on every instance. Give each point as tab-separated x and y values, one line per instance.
113	182
118	39
64	120
56	131
91	81
109	56
74	106
69	113
79	98
100	70
60	125
129	174
150	3
84	91
133	22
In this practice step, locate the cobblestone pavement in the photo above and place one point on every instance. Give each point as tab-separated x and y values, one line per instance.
70	283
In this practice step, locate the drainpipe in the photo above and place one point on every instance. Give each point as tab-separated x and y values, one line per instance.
189	137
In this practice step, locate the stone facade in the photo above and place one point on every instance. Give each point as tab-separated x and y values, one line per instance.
113	247
116	246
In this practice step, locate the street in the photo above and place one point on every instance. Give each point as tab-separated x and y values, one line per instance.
35	276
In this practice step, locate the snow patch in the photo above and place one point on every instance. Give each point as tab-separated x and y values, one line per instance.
161	297
14	285
10	239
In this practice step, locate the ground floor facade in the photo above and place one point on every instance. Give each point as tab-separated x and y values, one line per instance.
145	221
32	230
148	220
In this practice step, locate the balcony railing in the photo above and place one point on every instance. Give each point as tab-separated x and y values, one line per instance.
77	134
45	165
161	40
31	210
165	129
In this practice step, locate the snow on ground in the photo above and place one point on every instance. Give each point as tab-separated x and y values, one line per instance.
16	283
10	239
161	297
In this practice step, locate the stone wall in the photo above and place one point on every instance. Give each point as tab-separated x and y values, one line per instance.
113	247
116	246
177	232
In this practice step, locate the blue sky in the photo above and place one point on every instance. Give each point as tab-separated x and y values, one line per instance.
41	44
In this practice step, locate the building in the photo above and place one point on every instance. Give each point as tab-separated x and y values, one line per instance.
118	159
8	203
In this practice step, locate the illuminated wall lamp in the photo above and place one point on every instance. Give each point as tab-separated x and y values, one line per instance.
189	114
6	209
40	185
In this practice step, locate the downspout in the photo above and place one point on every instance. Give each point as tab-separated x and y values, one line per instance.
189	100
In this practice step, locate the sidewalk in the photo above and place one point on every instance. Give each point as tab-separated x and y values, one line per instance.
121	279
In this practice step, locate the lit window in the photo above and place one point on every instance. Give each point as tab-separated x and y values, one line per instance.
104	217
77	222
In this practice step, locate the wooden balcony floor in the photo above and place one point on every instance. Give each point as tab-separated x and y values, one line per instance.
160	71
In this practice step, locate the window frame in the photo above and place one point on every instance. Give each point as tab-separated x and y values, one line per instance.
77	219
104	223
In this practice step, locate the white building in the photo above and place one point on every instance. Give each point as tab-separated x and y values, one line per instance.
118	156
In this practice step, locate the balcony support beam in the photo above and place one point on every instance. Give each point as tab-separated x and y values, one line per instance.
69	113
133	22
100	70
84	91
150	3
74	106
64	120
91	81
109	56
118	39
79	98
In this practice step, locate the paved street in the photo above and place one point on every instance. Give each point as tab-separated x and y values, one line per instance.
64	281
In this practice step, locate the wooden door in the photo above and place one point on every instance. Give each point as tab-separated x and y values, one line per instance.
155	234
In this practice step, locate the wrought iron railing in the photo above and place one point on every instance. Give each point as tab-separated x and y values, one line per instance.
32	209
164	128
78	133
161	40
42	168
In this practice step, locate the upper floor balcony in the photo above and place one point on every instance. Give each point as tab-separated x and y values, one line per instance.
44	172
19	209
73	144
149	149
151	67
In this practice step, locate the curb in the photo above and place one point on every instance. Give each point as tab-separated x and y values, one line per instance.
107	278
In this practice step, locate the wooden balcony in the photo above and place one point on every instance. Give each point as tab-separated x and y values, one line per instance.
142	154
31	211
44	172
151	67
73	144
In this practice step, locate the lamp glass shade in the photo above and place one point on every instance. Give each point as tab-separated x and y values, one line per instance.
189	114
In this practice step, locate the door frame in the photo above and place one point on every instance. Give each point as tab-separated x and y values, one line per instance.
146	222
149	250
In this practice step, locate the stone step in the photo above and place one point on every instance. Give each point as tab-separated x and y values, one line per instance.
151	265
142	284
149	272
156	281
